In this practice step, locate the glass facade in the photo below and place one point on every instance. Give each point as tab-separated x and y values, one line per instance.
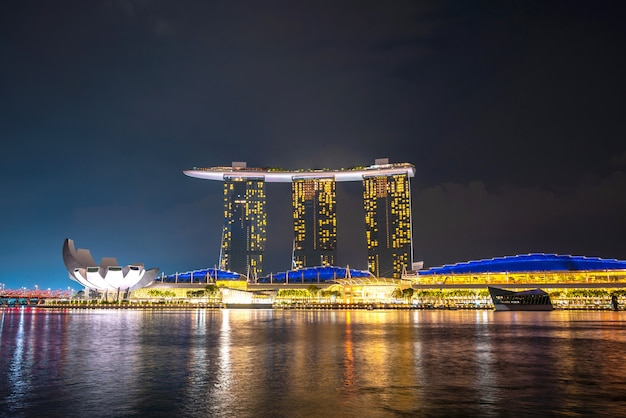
314	222
387	204
592	278
245	223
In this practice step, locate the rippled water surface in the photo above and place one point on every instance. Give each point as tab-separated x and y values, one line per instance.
257	363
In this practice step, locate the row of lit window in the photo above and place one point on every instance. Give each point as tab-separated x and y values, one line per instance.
525	278
323	202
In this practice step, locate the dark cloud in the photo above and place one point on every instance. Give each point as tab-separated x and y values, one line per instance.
456	222
618	160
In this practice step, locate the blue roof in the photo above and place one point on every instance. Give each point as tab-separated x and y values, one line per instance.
313	275
529	263
304	275
200	275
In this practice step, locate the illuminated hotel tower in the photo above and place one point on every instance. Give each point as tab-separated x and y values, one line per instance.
244	236
387	203
314	222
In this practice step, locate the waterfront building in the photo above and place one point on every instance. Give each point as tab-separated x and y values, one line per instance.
106	276
314	222
387	204
524	271
313	275
573	282
244	234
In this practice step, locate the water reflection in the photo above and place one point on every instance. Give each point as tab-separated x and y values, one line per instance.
348	362
20	364
311	363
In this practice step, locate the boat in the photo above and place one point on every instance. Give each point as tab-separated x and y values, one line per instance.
527	300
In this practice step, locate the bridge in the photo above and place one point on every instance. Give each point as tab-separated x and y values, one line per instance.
28	297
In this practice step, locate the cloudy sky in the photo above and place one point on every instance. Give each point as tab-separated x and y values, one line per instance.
512	112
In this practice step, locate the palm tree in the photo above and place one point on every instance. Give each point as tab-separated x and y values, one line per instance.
314	290
210	290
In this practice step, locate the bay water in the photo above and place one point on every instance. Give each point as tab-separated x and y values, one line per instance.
311	363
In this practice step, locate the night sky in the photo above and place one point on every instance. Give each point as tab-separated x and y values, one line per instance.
513	113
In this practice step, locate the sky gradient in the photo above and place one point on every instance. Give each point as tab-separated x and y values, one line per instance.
512	112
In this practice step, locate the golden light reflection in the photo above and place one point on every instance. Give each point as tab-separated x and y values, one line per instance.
223	386
486	377
348	362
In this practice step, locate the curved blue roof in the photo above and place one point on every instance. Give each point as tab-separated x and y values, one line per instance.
313	275
200	275
529	263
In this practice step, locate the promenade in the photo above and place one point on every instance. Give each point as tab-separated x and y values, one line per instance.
582	305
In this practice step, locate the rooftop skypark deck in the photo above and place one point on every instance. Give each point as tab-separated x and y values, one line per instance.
280	175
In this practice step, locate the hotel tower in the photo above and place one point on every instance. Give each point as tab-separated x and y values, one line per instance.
314	222
386	200
244	234
387	203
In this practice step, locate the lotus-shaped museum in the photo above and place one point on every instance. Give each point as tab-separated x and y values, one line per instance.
106	276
